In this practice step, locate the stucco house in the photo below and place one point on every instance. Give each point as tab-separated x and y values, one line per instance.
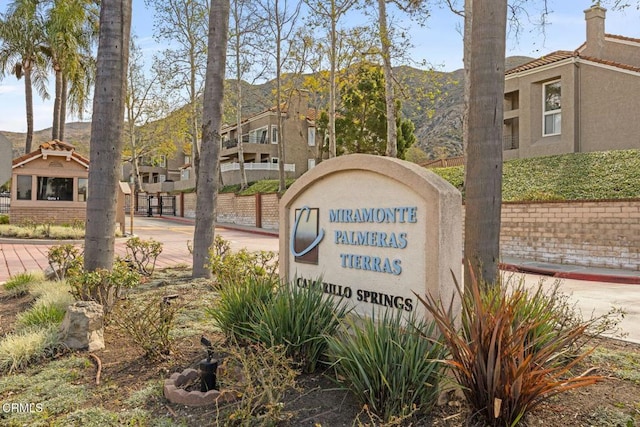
49	185
575	101
260	138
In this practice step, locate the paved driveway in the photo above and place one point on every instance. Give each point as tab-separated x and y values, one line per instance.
18	256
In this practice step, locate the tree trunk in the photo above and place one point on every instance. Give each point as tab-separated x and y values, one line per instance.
207	190
63	108
28	95
484	148
57	103
392	131
332	85
243	173
107	133
282	182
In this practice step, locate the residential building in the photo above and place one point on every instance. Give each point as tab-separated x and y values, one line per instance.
575	101
259	135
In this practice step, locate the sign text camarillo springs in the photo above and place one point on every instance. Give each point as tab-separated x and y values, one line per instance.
371	238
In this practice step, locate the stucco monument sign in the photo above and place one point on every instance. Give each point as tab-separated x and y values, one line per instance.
375	230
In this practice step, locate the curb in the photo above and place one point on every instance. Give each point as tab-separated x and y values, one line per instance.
575	275
227	226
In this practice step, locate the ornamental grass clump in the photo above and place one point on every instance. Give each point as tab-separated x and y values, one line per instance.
392	365
238	308
19	284
18	350
300	319
505	355
261	310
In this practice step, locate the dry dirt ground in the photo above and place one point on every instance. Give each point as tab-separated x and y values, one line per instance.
615	401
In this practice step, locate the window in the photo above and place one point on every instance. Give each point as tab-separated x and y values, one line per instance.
259	136
274	134
275	160
552	114
24	187
311	137
311	163
83	189
55	188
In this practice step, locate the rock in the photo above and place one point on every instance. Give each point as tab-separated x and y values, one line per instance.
82	327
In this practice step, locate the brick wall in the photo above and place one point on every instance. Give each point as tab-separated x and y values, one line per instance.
598	234
50	215
270	213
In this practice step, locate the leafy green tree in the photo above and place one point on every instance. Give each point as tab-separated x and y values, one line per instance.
23	53
281	18
146	136
329	13
182	25
70	31
362	123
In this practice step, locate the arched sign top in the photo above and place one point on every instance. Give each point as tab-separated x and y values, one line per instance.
375	229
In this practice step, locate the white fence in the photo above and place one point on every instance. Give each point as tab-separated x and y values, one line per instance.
226	167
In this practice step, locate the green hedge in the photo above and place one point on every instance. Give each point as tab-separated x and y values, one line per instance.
581	176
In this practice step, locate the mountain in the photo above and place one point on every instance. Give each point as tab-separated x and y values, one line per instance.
77	134
433	100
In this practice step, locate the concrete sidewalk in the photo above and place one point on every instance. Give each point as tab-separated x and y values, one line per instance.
595	290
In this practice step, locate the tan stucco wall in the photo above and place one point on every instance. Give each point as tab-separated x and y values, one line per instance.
601	116
530	87
609	106
48	211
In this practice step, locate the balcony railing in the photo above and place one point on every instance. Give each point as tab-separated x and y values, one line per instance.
226	167
510	142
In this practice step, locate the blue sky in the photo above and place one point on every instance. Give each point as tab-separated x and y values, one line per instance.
439	43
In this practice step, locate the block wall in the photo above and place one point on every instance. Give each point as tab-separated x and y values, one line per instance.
597	234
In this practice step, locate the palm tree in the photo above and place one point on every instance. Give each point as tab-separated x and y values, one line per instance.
483	169
107	127
70	30
23	53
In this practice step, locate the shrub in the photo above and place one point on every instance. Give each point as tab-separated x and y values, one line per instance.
505	357
237	309
149	324
104	286
18	285
4	219
19	349
391	365
232	267
300	319
143	254
65	259
266	375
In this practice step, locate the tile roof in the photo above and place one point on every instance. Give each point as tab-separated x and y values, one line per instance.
565	54
54	145
57	145
556	56
629	39
611	63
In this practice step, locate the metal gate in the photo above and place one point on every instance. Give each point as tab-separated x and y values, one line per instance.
5	203
150	205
